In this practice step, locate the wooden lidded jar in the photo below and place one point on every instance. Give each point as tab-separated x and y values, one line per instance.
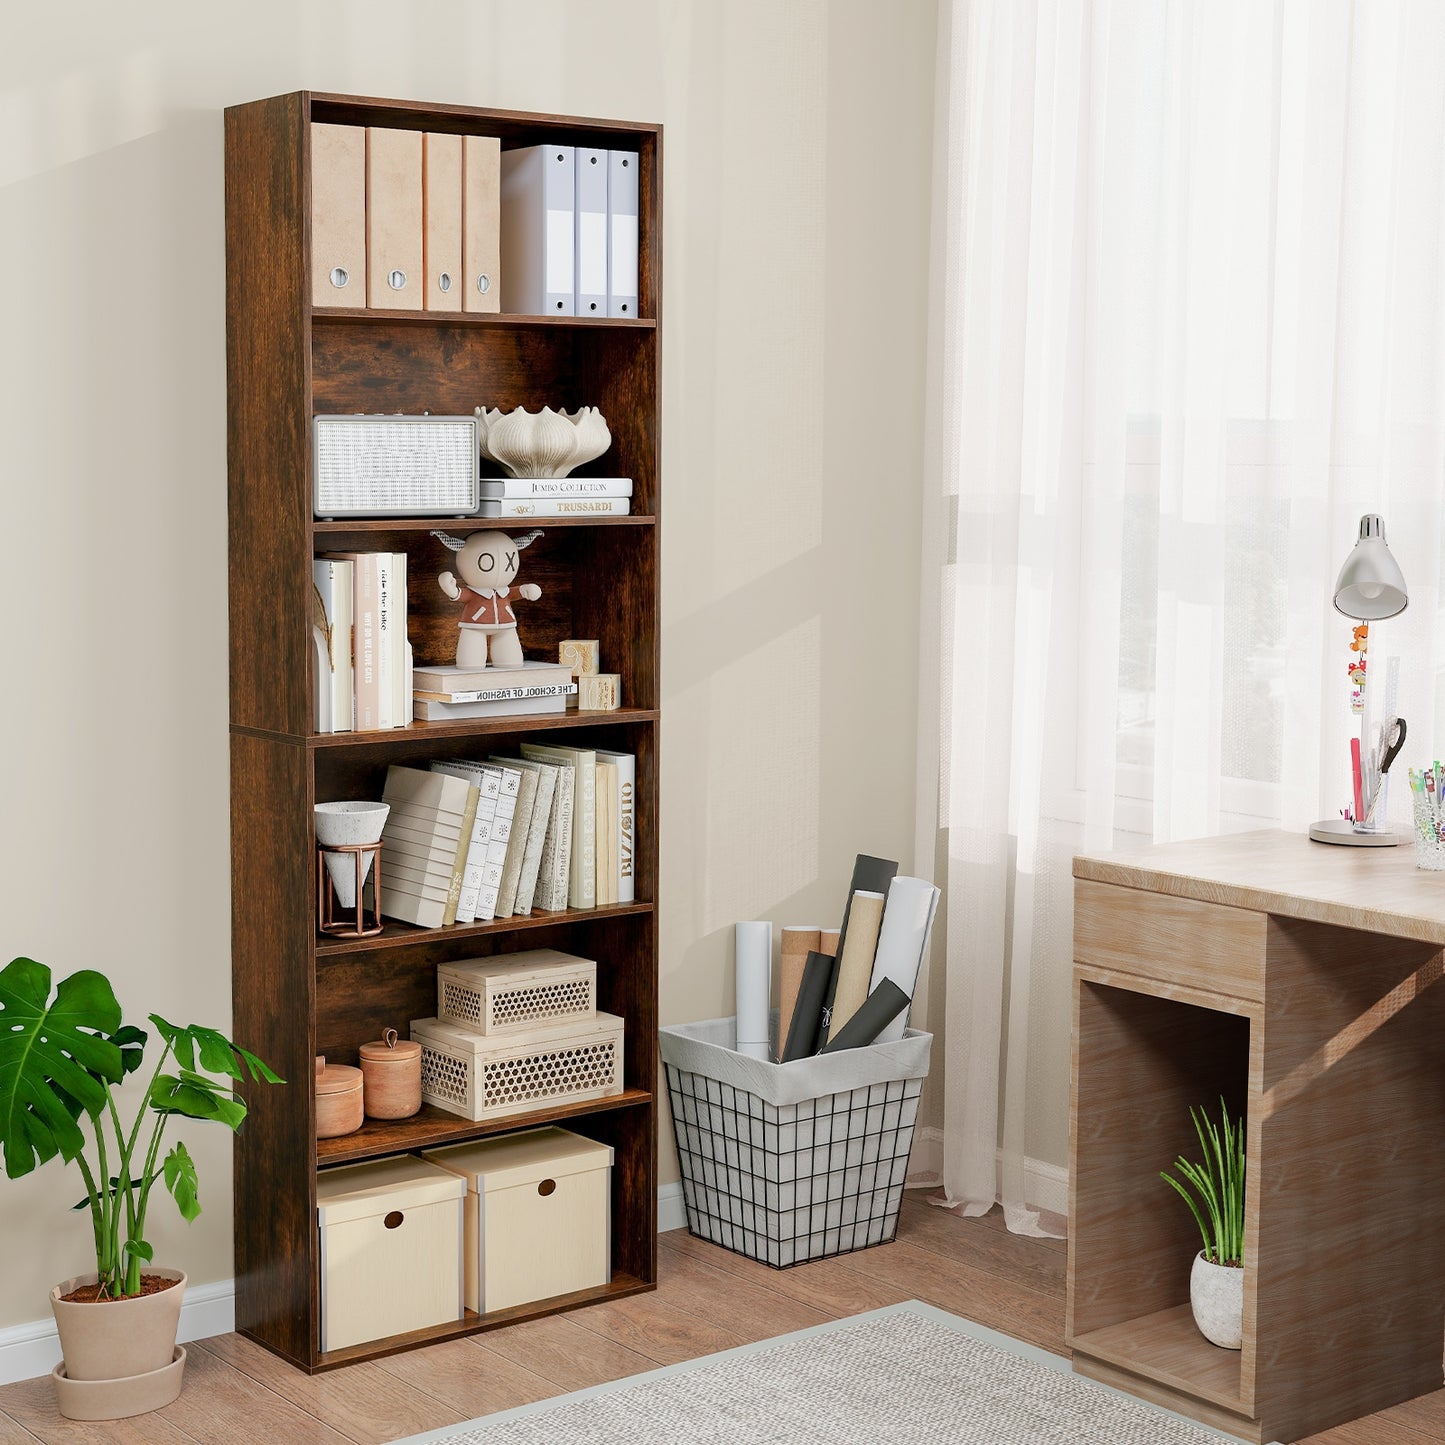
338	1099
391	1068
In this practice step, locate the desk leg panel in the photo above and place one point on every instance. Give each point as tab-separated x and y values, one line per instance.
1350	1247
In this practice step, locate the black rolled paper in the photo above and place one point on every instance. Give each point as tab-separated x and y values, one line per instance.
803	1031
874	1015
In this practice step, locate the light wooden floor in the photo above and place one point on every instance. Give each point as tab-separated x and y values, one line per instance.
706	1300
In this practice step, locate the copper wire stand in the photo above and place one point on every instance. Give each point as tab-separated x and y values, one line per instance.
328	906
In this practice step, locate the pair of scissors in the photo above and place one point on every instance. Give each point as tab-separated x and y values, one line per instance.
1392	737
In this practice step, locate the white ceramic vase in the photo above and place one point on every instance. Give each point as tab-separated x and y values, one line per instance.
545	444
1216	1294
342	824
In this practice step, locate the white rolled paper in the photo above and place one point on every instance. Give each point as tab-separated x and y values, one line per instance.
753	957
902	942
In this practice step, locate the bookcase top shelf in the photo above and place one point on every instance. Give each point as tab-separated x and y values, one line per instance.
378	1137
404	935
514	127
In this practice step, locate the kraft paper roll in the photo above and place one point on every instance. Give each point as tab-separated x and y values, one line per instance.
855	968
796	944
828	941
753	956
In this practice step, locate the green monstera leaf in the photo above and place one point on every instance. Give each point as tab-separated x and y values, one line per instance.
56	1060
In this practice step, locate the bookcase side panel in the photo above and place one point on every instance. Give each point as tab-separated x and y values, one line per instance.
272	1001
267	379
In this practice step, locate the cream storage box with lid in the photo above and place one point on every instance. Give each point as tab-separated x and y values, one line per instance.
538	1215
391	1249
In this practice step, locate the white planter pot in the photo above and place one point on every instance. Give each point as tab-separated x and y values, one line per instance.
1216	1293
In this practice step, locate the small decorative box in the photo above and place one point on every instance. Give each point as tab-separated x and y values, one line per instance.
338	1099
391	1077
488	1078
514	992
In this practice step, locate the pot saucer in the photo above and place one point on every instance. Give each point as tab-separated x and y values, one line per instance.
118	1399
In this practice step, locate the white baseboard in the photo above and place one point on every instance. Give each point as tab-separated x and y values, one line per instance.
671	1212
34	1349
209	1309
1046	1186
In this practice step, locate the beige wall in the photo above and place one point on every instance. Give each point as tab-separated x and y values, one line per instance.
797	164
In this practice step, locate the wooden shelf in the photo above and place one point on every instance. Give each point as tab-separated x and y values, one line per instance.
465	728
427	525
379	1137
403	935
619	1287
1166	1346
492	319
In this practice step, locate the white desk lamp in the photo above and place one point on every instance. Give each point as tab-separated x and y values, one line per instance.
1370	587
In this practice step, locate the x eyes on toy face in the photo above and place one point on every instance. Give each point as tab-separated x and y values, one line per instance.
492	564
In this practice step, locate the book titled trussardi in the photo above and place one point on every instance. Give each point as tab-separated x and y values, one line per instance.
602	506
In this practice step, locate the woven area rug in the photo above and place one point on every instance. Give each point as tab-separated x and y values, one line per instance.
906	1373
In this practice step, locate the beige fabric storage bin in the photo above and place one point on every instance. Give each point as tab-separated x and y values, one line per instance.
488	1078
391	1249
515	992
538	1215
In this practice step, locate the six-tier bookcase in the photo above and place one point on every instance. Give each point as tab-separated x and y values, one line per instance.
297	993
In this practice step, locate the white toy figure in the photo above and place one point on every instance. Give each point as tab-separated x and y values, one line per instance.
487	566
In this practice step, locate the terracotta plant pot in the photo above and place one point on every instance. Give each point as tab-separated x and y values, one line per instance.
113	1341
1216	1295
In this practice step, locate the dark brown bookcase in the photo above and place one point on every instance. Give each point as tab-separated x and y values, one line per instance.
297	993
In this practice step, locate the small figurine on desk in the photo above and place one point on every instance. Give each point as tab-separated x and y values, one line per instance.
487	565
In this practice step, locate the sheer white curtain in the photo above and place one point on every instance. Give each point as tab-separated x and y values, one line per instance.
1189	290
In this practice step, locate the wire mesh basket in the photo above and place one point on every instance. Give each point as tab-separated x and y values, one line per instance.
787	1163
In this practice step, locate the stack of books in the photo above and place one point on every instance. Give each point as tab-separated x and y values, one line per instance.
469	841
556	496
362	659
450	692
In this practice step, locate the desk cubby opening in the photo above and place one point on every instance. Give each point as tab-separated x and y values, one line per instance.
1142	1063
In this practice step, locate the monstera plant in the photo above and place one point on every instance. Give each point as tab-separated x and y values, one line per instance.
63	1057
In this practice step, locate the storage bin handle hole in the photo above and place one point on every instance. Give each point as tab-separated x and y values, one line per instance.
394	1219
546	1187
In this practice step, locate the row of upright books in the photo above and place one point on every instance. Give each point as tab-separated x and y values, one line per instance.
363	661
404	219
468	841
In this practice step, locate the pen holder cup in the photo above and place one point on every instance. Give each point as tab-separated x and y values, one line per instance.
1429	832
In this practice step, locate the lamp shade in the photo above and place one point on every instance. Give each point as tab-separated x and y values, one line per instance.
1370	584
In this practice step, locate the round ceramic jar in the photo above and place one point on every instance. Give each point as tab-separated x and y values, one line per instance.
391	1068
338	1099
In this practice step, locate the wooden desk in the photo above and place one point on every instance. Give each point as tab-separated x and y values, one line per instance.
1295	980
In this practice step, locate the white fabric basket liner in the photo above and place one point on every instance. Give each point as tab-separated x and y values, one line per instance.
710	1049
